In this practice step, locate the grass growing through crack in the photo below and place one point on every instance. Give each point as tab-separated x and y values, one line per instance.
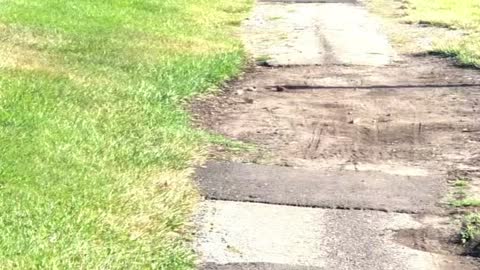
461	196
472	227
462	15
95	149
471	233
468	202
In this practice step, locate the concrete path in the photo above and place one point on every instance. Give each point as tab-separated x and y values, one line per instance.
356	146
316	188
283	237
316	34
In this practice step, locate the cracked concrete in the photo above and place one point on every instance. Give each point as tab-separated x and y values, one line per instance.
235	235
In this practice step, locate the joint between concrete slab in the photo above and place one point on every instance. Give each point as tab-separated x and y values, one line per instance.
329	207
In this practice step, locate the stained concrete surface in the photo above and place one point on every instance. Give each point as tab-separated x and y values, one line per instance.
254	266
237	235
313	188
316	34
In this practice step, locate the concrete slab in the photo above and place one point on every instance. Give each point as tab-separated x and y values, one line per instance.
353	35
312	188
316	34
254	266
284	34
237	235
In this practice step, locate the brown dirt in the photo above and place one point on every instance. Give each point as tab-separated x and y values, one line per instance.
438	235
420	114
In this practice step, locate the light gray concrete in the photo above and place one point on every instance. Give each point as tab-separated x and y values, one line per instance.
316	34
241	233
254	266
354	36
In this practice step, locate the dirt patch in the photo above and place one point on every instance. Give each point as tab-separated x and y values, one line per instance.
432	123
23	58
430	239
439	240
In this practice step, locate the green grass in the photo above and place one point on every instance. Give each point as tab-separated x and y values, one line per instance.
468	202
461	197
461	183
471	228
470	231
95	148
463	15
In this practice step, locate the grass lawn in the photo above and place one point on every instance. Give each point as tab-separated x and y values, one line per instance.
462	15
95	148
457	14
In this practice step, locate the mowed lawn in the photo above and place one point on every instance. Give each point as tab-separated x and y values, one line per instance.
457	14
95	146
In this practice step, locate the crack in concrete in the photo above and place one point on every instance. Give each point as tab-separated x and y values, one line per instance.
399	86
331	207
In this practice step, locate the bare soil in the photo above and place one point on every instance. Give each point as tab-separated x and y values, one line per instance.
421	115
